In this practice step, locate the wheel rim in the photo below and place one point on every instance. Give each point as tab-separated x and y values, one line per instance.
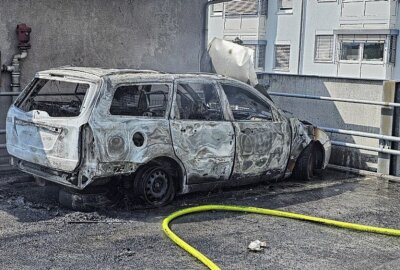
157	187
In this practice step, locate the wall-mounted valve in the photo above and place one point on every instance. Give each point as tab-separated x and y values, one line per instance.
23	35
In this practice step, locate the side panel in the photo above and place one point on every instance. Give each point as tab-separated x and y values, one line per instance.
263	148
206	149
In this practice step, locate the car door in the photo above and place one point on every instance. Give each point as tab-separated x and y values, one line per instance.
130	122
262	137
203	140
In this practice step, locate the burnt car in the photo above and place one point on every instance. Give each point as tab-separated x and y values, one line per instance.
160	134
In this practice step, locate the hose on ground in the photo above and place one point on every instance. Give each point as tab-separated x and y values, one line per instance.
263	211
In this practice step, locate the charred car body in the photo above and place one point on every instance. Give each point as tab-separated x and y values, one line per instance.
165	134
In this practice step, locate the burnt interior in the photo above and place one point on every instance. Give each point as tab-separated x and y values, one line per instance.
199	101
246	105
140	100
57	98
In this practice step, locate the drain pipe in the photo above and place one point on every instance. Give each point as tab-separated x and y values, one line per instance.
23	33
15	70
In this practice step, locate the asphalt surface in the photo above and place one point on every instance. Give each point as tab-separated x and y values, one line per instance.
37	233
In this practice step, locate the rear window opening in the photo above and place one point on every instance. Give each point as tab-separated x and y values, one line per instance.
149	100
57	98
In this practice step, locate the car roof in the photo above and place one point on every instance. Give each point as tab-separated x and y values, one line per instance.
98	73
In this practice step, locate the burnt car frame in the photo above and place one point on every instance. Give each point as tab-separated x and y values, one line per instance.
161	134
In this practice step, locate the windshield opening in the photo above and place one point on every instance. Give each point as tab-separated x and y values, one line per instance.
57	98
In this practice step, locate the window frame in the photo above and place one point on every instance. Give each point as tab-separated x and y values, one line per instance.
214	13
86	102
250	90
174	106
284	10
361	60
360	53
332	49
372	60
283	69
260	11
139	83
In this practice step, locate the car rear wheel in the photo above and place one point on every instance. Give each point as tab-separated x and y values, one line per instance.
154	185
306	164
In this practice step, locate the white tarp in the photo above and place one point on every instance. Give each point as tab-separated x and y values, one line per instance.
233	60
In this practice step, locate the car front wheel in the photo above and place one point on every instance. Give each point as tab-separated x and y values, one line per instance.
306	164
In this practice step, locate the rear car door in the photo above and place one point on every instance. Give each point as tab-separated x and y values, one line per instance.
130	123
262	138
203	140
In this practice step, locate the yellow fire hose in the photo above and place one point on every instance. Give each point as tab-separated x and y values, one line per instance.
263	211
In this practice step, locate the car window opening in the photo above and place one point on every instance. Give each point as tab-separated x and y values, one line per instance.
57	98
245	105
199	101
140	100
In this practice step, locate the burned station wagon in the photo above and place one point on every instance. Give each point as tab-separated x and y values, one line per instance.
160	134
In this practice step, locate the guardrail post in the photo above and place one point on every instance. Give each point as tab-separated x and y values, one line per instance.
386	126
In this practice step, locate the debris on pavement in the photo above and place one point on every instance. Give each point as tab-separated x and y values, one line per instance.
257	245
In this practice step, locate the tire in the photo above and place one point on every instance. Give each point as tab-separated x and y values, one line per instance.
154	186
306	164
87	200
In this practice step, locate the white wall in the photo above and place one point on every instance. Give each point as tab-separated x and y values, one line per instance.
283	29
320	18
215	27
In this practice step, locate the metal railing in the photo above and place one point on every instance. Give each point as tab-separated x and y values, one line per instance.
366	135
384	138
346	100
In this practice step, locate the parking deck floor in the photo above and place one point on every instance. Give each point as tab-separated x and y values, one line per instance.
36	233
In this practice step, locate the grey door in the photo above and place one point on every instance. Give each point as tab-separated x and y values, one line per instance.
203	140
262	140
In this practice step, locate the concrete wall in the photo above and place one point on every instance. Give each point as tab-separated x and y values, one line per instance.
157	34
150	34
334	114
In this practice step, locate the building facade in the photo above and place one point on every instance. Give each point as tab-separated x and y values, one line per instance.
330	38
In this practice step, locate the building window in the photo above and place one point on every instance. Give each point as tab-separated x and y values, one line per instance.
323	48
373	51
217	9
259	55
241	7
285	5
282	57
362	47
246	7
393	46
350	51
